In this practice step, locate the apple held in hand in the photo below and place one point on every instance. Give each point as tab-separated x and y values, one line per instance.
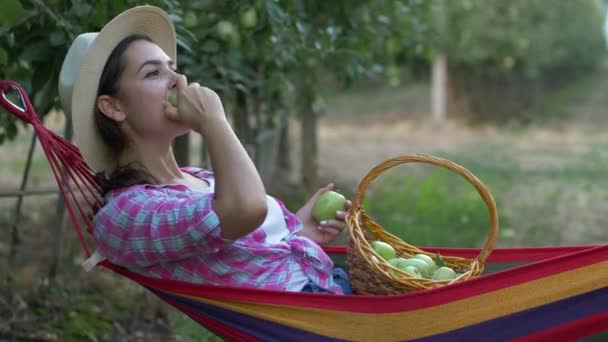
386	251
327	205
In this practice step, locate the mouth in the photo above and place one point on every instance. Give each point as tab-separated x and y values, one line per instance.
173	98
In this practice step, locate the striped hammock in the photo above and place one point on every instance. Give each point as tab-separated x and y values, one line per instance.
526	294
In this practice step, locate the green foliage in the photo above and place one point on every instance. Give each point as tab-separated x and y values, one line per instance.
186	330
431	208
11	12
529	37
255	53
506	55
34	38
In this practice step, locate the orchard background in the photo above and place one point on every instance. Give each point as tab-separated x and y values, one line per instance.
321	91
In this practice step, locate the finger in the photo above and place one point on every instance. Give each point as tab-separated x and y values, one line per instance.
348	205
324	189
333	224
170	111
334	231
182	82
195	84
340	215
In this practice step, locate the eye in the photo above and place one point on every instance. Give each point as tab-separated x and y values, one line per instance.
176	70
152	73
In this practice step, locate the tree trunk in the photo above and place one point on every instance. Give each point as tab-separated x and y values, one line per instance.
283	159
309	148
242	126
439	89
181	148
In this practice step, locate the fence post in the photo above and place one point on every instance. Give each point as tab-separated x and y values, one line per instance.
58	227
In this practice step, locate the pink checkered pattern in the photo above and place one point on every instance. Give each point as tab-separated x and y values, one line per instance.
171	232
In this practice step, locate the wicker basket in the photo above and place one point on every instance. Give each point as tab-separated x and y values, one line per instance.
371	274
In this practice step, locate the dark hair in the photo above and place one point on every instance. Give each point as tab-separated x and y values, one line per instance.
112	135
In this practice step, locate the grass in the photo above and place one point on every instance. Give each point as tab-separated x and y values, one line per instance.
186	330
39	168
428	208
546	195
544	205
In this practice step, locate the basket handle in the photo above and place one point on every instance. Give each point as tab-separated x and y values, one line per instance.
425	158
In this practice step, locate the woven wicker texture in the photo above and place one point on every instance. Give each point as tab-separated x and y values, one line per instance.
371	274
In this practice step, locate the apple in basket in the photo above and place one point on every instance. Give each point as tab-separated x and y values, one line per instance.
327	205
444	273
430	264
406	266
423	268
386	251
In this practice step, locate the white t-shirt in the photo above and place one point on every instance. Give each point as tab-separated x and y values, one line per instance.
276	230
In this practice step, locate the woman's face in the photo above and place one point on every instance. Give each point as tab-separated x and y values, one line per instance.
148	78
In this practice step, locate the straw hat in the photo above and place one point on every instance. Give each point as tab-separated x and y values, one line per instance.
84	63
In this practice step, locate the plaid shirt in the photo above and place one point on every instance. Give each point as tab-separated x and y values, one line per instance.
171	232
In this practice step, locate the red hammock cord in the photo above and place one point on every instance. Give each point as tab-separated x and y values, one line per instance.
69	168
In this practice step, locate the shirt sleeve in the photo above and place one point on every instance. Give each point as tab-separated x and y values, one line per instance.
146	227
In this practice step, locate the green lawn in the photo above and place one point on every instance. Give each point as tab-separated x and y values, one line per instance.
545	205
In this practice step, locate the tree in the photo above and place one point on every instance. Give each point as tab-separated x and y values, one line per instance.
502	52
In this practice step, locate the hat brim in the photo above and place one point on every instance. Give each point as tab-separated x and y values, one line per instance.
147	20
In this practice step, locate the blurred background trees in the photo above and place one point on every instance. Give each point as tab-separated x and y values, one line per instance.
274	60
279	66
269	60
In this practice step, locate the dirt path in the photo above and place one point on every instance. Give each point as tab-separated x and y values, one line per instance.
351	145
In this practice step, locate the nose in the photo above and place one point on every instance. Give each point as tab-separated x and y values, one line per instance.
173	83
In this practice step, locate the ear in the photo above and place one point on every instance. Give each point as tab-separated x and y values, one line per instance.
111	108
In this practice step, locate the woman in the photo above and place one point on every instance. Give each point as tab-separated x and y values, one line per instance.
164	221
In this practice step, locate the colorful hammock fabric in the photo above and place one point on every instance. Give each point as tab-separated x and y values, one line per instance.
527	294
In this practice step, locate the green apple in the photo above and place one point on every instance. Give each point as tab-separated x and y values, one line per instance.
249	18
424	258
431	264
386	251
444	273
173	99
190	20
396	262
327	205
225	29
419	264
413	271
402	264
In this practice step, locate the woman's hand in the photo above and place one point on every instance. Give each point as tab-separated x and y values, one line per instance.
324	232
240	197
196	105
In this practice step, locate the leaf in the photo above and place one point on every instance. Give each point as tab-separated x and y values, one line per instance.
3	56
36	52
11	130
210	46
275	13
39	77
81	9
439	260
57	38
181	43
11	12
